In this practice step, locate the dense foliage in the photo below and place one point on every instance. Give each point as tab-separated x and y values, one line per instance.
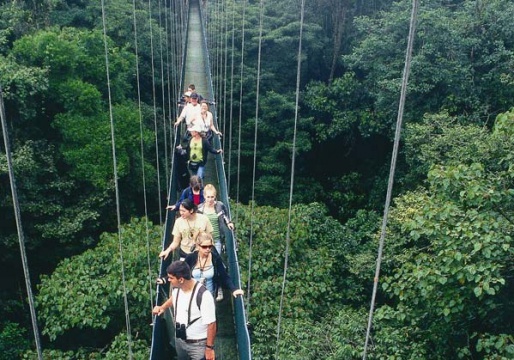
83	300
446	283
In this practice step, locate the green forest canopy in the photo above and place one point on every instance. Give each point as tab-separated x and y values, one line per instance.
446	285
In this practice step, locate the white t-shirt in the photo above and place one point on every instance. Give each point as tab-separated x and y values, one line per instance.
205	121
206	313
190	112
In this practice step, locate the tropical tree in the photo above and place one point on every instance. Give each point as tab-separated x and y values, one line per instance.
456	65
83	299
450	278
316	266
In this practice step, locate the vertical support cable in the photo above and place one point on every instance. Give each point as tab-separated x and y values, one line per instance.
156	129
219	51
256	128
241	80
142	147
115	171
225	69
169	93
163	93
21	237
397	136
291	182
231	102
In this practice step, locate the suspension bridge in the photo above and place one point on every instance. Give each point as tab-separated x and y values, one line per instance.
233	339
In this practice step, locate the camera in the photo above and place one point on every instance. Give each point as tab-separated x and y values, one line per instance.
180	331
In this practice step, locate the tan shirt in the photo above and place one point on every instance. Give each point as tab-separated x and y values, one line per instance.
188	230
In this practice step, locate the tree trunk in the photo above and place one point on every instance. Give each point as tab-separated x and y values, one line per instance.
340	10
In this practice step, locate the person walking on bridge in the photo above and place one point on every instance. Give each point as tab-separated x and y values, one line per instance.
195	319
196	152
186	229
193	192
208	267
190	111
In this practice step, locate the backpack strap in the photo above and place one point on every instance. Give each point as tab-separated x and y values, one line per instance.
189	322
199	296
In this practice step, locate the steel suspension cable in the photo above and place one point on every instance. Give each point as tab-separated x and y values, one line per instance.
219	50
291	182
142	147
154	99
217	29
231	101
175	54
175	16
172	92
19	227
256	128
169	93
216	34
215	66
240	106
214	48
401	106
177	23
225	68
163	93
115	171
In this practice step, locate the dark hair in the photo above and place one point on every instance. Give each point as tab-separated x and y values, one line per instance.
179	269
188	204
195	182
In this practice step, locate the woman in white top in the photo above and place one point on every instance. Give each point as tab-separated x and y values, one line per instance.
206	121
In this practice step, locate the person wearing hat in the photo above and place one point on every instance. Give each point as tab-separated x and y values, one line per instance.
197	150
190	111
184	99
192	88
208	268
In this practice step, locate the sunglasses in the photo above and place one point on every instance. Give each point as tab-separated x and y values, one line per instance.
206	246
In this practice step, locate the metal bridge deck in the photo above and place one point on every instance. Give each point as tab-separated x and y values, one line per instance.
232	340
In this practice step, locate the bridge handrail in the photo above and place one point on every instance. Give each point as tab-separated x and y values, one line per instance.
243	337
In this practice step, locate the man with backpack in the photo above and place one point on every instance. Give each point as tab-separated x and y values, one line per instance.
194	313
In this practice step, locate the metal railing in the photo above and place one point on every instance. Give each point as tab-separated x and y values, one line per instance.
163	331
